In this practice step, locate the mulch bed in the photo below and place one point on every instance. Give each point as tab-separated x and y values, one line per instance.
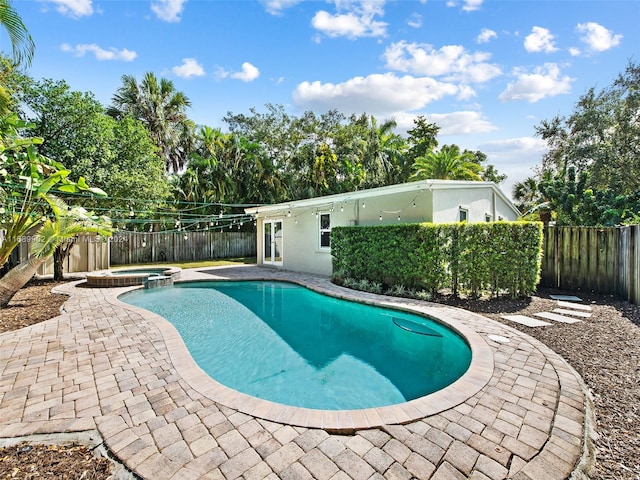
604	350
25	461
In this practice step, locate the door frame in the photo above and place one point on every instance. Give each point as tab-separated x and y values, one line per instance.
274	239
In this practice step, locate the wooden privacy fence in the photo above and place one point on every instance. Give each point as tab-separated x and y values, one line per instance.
602	260
161	247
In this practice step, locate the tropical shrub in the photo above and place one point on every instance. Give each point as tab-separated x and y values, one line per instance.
473	259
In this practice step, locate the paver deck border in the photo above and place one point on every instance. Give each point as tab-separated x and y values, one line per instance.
101	365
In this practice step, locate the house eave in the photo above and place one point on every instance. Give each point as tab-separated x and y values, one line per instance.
332	200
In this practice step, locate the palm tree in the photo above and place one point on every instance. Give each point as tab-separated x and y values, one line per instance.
446	164
163	111
21	42
526	194
383	152
66	224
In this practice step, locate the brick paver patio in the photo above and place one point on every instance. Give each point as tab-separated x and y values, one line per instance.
104	365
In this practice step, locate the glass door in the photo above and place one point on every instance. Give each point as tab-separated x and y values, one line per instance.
272	251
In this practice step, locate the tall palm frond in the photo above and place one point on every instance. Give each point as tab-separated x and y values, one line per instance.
21	41
446	164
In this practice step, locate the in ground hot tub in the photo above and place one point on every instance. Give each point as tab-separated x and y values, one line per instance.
128	277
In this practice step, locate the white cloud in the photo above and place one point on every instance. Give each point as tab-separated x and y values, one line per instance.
276	7
597	37
452	61
460	123
248	73
544	82
379	94
100	54
168	10
467	5
73	8
486	35
515	157
574	52
472	5
539	40
352	20
189	68
415	20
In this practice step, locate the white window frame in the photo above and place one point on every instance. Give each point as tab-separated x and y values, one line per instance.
323	230
488	217
465	211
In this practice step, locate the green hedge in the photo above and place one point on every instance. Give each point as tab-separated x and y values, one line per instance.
469	258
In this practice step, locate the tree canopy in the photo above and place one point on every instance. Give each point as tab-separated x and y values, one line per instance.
587	177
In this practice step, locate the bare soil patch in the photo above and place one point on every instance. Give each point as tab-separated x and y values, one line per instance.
604	349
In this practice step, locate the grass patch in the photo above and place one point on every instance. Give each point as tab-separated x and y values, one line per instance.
220	262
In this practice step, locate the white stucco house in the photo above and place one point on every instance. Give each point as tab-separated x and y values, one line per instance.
296	235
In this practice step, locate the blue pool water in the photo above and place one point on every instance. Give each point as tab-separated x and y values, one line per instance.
287	344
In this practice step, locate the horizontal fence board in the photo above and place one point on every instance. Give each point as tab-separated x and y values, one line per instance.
594	259
165	247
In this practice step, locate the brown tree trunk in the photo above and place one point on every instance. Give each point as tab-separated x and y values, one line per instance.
59	255
17	277
58	263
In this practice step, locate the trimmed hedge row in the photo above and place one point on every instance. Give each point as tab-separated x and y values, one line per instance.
468	258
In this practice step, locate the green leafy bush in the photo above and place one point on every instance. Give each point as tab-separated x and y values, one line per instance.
473	259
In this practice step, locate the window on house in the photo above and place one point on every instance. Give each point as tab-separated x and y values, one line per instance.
325	230
487	217
463	215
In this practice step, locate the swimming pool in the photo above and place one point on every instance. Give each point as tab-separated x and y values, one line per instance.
284	343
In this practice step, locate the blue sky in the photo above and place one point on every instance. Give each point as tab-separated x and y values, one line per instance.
487	72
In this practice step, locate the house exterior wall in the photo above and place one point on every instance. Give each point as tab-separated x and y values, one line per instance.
434	202
301	249
394	205
478	202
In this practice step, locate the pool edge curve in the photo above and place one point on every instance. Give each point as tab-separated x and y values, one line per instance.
475	378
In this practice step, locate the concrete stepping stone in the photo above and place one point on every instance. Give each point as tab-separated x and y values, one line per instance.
526	321
575	313
568	298
577	306
556	317
498	338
